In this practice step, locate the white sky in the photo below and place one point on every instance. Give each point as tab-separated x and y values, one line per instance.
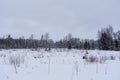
82	18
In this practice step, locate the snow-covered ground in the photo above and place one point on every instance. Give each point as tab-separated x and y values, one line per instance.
59	64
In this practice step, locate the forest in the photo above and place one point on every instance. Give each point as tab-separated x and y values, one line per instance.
107	39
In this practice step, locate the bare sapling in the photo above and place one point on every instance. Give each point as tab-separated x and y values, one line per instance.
48	64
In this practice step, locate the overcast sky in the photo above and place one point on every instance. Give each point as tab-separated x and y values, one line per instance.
82	18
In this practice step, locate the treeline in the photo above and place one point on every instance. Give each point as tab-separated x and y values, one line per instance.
107	40
9	42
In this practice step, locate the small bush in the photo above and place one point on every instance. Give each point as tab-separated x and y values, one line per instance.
103	59
16	60
112	57
92	59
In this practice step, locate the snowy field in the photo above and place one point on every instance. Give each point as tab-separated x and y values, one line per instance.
59	64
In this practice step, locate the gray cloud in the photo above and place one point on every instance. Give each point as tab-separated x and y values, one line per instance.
82	18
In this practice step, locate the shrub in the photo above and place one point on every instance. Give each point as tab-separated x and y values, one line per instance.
103	59
112	57
16	60
92	59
